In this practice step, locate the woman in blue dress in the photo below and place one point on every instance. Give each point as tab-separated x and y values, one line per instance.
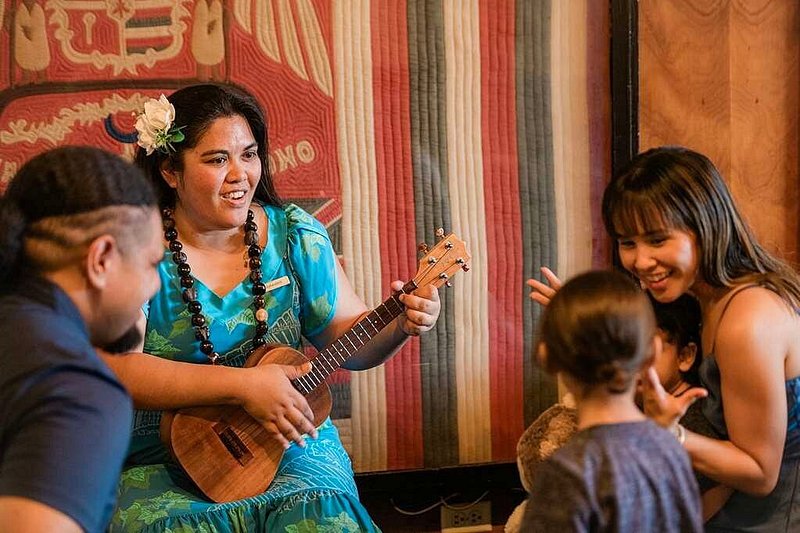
240	270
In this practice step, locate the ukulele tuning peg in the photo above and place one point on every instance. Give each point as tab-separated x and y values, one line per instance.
423	248
465	267
448	284
440	233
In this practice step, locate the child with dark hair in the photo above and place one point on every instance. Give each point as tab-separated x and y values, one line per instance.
620	471
678	323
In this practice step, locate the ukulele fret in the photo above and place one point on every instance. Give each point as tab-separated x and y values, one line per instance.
333	352
314	382
362	332
301	386
369	320
324	361
331	358
320	371
355	348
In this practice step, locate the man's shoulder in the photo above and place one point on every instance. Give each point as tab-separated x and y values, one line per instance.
27	319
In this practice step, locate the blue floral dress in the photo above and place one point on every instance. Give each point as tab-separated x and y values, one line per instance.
313	490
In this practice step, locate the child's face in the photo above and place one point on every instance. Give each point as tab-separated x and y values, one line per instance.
671	361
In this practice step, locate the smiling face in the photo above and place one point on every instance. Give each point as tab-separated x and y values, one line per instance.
132	280
664	260
219	176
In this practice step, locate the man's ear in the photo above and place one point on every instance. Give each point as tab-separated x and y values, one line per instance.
686	357
101	259
170	175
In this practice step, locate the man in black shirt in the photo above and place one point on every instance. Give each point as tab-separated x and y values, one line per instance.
79	242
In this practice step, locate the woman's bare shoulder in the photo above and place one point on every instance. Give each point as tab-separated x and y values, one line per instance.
757	323
755	303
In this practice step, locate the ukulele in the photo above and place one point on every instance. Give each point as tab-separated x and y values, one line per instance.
227	453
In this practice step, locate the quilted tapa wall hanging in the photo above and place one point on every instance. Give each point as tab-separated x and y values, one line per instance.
388	120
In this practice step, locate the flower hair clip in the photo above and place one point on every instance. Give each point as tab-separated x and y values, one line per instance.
156	127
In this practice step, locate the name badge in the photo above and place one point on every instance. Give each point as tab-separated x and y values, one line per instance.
277	283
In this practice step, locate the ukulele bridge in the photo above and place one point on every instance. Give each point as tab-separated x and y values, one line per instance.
233	443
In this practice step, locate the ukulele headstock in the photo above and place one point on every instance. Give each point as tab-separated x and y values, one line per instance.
441	262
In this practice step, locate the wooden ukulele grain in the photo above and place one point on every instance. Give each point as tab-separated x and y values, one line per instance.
198	437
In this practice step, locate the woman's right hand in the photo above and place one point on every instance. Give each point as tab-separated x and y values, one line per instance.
662	407
270	398
541	292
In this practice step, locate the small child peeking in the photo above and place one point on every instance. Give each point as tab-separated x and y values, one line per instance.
620	471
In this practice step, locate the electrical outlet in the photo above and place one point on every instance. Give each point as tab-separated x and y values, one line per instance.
474	518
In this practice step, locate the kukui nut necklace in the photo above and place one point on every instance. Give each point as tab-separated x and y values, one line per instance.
189	293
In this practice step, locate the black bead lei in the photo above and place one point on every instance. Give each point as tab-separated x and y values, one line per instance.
189	293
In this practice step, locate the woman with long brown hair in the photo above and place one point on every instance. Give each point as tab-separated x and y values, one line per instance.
677	230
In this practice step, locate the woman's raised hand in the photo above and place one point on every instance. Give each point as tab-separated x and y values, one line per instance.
541	292
421	309
270	398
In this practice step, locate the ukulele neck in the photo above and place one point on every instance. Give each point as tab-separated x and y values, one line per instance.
333	357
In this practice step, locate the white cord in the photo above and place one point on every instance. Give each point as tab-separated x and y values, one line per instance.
442	501
465	506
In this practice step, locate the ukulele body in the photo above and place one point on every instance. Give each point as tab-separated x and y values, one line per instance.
226	452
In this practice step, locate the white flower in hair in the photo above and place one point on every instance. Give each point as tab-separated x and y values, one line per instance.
155	126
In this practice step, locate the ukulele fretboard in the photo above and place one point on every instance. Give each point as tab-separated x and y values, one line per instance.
331	358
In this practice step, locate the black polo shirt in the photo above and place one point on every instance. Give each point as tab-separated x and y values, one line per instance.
64	418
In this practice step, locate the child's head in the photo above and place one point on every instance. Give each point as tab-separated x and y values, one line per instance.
598	329
678	324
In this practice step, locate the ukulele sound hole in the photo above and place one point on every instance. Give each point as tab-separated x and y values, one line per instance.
235	445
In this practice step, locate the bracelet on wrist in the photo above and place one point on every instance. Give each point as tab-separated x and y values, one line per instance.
679	432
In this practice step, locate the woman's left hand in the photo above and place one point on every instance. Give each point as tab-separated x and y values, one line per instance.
421	309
